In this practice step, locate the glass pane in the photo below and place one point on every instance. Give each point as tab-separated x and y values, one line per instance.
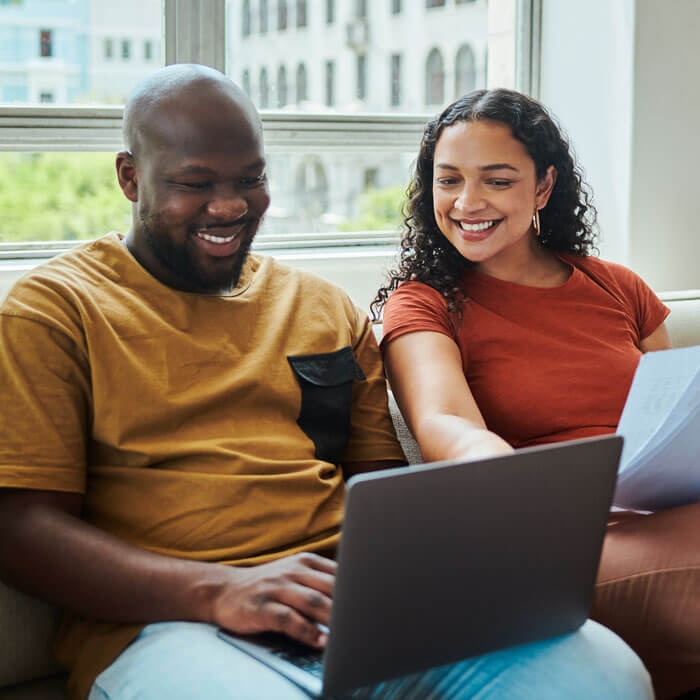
77	51
60	197
336	192
378	57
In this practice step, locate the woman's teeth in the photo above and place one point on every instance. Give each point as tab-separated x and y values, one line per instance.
477	227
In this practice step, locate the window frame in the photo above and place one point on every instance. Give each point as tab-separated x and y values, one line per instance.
46	128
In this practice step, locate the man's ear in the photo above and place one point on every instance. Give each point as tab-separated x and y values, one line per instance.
126	174
545	186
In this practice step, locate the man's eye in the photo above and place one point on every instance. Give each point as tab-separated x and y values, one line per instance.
251	181
195	185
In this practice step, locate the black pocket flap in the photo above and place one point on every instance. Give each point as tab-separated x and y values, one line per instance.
327	368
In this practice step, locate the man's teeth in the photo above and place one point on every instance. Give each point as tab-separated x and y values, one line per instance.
215	239
477	227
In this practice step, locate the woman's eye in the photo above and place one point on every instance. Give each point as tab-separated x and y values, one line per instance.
500	183
446	181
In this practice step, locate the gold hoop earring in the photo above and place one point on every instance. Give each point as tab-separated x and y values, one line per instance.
536	222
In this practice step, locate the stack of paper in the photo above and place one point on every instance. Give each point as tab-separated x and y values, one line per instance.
660	464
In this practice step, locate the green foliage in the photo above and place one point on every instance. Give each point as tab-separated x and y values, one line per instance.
380	210
60	196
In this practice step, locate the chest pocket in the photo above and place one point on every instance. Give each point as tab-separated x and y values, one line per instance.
326	399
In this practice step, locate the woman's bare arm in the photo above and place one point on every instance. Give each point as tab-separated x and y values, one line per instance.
426	376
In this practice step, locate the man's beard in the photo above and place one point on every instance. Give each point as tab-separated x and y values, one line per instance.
181	262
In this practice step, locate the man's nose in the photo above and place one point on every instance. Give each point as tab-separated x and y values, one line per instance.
228	206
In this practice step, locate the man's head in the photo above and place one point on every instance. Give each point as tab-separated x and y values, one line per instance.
194	169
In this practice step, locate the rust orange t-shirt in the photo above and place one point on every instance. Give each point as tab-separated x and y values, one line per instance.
544	364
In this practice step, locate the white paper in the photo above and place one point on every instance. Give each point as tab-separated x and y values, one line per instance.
660	464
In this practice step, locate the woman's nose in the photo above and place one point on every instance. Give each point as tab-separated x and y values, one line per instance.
470	197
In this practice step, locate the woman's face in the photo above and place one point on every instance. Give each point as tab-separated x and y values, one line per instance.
485	190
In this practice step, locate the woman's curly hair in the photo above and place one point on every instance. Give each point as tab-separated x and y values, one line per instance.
567	223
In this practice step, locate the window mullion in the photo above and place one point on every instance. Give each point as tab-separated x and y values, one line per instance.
195	32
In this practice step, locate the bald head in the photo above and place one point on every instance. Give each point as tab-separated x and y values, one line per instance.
189	93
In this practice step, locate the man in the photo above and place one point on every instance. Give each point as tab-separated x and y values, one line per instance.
177	424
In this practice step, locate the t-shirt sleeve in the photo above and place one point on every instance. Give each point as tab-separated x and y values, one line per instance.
44	409
372	435
648	310
415	306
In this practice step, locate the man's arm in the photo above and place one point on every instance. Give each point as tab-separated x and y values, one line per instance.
49	551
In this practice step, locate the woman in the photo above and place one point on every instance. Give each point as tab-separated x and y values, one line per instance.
501	331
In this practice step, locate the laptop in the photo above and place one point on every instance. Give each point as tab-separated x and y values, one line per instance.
443	561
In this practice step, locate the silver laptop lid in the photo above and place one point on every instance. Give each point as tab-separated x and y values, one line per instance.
444	561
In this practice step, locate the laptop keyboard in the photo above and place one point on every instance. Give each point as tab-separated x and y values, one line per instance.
302	657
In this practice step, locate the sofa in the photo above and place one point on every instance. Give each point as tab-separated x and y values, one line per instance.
27	626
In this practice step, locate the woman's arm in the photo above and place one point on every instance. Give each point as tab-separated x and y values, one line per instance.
426	376
658	340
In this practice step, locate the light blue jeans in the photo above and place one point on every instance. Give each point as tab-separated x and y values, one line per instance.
186	660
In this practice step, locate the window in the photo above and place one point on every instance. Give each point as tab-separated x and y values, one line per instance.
302	94
434	79
245	18
126	49
326	140
264	89
281	14
45	44
301	13
264	14
281	87
395	86
435	3
148	50
361	63
465	71
395	7
330	84
46	97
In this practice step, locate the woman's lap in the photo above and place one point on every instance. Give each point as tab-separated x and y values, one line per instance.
648	591
182	660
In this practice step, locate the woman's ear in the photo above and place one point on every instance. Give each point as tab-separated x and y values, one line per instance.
126	174
545	186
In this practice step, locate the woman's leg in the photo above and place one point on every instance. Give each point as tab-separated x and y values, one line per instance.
183	661
648	591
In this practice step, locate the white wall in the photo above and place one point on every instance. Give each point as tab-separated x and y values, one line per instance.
620	75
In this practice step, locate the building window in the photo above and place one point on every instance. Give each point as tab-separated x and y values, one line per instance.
264	14
46	97
464	2
45	44
434	79
148	50
281	87
264	87
330	11
330	83
281	14
108	49
361	76
245	81
126	49
435	3
465	71
395	80
302	92
371	178
395	7
245	18
361	9
301	13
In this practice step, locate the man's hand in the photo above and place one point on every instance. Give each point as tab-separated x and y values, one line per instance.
291	596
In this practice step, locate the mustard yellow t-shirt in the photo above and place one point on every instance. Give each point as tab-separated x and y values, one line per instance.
211	428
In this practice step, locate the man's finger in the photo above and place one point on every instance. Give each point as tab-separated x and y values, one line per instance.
317	580
315	561
282	618
311	603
